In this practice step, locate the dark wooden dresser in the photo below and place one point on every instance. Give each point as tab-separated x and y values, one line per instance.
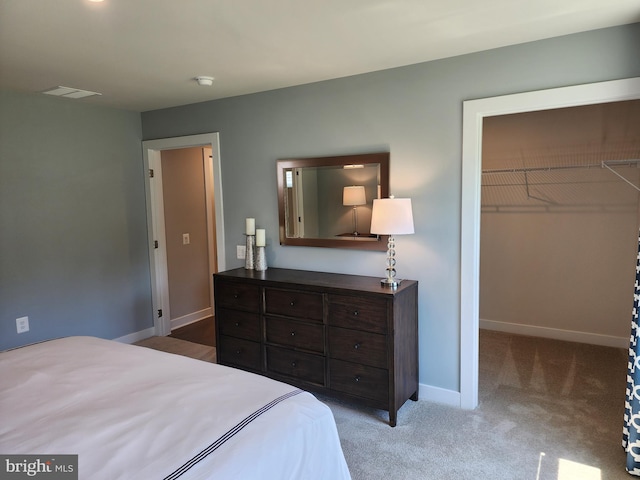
342	335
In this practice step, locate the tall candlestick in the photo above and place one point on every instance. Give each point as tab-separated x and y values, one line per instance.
260	237
261	259
250	252
250	226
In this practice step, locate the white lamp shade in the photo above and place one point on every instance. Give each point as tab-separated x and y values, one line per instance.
354	195
392	216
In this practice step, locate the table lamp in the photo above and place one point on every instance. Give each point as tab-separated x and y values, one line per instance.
354	196
391	216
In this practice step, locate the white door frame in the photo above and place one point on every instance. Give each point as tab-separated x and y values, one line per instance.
474	112
155	218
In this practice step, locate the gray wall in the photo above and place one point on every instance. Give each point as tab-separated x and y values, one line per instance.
416	113
73	244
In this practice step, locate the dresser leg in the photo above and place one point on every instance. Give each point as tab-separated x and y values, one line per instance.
393	417
414	397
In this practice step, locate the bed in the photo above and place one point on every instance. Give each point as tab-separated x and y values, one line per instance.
130	412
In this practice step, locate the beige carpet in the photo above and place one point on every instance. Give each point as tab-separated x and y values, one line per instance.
180	347
549	410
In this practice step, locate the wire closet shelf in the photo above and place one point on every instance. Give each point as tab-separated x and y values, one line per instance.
567	183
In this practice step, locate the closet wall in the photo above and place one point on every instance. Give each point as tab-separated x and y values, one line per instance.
559	230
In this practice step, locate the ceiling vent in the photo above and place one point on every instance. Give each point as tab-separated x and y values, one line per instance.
69	92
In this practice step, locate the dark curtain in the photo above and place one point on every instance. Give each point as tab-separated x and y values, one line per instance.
631	429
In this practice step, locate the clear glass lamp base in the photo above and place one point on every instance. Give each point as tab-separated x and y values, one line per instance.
391	281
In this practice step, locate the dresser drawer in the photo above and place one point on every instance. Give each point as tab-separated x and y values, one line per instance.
238	296
302	366
358	313
306	336
239	324
359	380
293	303
357	346
239	352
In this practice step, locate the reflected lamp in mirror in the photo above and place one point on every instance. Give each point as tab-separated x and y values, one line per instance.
352	196
391	216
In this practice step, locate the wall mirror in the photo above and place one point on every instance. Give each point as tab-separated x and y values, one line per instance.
327	201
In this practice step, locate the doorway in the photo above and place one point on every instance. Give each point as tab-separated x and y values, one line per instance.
152	151
559	222
191	261
474	112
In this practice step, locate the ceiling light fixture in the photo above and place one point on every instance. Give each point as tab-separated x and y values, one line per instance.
204	81
69	92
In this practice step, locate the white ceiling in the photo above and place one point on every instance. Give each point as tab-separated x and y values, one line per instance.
143	54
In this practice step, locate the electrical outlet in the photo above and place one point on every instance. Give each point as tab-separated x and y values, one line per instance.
22	324
241	252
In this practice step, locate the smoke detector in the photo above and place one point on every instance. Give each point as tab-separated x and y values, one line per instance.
204	81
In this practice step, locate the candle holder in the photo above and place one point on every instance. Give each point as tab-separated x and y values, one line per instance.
249	254
261	259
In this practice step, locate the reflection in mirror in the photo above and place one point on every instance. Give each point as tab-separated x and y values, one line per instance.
323	201
327	201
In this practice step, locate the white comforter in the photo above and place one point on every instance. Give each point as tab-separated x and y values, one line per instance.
134	413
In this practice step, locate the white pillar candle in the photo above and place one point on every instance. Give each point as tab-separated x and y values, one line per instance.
260	237
251	226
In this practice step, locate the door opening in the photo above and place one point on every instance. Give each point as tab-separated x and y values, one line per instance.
474	112
156	223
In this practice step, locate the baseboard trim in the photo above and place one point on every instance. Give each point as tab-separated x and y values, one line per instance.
191	318
556	333
137	336
430	393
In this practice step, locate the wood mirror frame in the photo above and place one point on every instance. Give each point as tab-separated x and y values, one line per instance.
338	163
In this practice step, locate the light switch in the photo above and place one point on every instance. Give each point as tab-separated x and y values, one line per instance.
22	324
185	239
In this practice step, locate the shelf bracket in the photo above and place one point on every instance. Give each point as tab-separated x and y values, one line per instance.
604	165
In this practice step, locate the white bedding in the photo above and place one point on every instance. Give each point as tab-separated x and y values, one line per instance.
134	413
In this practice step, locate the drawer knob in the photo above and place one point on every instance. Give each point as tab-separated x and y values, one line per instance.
293	334
292	303
356	346
238	352
294	364
357	379
235	295
237	324
355	312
